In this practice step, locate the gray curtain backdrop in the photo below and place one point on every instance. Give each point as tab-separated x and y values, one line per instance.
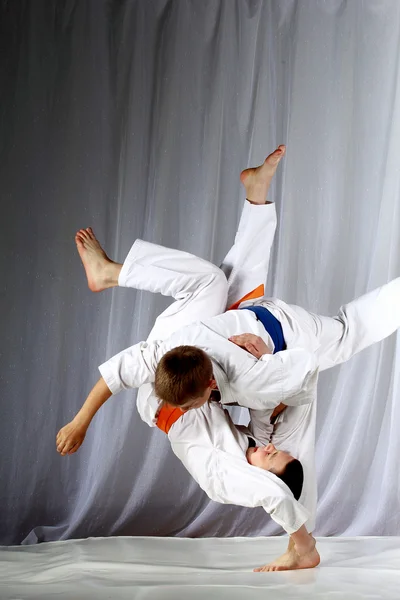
136	117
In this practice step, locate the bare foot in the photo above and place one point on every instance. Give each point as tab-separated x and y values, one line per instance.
101	272
291	560
257	180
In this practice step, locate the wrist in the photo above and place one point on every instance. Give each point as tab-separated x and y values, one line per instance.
81	420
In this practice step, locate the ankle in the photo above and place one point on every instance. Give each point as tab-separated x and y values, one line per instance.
111	273
257	203
305	546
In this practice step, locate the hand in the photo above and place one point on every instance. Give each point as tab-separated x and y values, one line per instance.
252	343
70	438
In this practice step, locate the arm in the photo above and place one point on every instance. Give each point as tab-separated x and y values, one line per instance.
129	369
132	367
288	377
204	440
240	483
71	436
306	368
301	551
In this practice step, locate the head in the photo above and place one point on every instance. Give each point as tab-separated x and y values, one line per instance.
184	377
280	463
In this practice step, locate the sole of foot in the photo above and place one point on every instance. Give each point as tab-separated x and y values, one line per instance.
257	180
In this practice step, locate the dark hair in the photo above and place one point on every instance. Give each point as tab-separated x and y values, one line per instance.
182	374
293	476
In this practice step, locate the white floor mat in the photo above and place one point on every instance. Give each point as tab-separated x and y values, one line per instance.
176	568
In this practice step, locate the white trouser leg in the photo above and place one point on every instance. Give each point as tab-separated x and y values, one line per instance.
358	324
198	286
246	264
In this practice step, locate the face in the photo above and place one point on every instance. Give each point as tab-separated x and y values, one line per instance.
269	458
198	402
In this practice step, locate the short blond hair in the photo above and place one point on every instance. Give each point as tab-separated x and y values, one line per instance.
183	374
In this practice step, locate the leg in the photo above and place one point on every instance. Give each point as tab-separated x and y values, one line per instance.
191	280
198	287
359	324
185	277
246	264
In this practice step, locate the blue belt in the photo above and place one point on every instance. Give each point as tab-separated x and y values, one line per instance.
271	324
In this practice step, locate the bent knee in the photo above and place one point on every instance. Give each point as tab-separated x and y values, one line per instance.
217	288
220	281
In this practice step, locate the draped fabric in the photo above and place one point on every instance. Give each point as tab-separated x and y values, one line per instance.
169	568
136	117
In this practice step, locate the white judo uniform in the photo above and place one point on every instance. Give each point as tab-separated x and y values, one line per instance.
205	439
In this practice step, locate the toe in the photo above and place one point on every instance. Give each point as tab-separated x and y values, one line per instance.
81	233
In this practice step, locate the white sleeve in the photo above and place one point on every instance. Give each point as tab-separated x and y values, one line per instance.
289	376
230	479
132	367
246	264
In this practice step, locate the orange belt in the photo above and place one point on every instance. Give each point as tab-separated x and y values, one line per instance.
168	414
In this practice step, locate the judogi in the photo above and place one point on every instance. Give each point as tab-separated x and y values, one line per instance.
205	439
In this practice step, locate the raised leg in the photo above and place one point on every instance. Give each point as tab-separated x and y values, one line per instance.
246	264
191	281
198	287
358	324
